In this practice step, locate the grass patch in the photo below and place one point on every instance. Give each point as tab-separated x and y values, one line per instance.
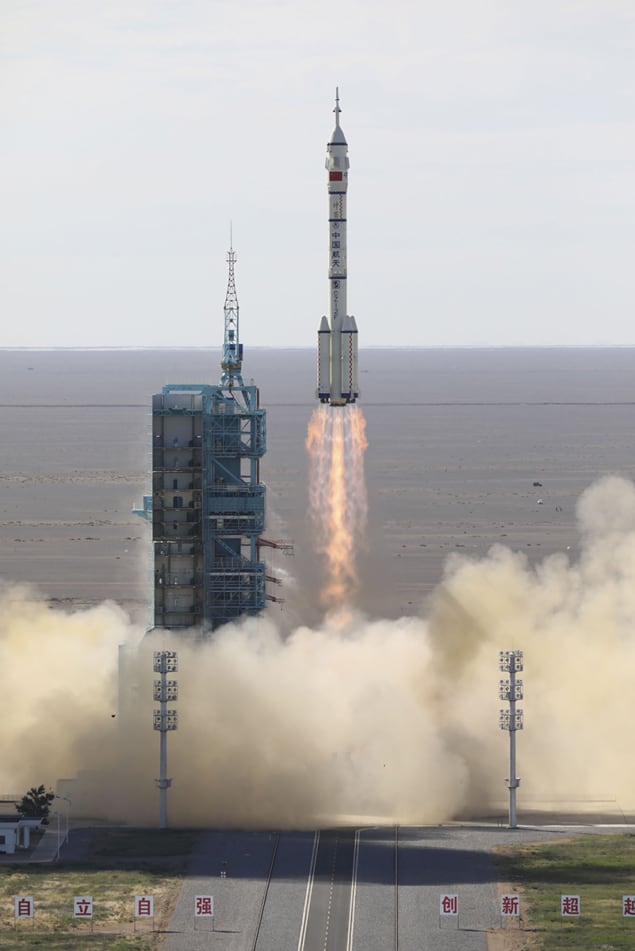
148	846
600	869
120	865
18	941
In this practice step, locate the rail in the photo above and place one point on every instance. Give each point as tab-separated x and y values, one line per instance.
261	912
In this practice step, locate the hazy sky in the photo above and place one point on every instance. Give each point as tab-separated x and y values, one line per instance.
492	185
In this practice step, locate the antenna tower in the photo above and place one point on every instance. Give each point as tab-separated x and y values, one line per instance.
232	348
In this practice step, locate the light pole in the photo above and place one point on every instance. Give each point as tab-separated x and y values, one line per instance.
68	801
59	841
165	662
511	662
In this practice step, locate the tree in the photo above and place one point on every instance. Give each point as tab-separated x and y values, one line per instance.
36	803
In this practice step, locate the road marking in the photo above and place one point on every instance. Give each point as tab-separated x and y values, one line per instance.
309	890
331	887
351	907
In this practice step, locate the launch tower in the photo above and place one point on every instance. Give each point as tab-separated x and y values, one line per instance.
208	503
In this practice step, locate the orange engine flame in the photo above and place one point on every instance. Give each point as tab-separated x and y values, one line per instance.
336	442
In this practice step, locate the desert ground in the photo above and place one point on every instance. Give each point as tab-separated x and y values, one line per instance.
457	440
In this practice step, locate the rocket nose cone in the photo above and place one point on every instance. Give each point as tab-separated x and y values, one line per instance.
338	137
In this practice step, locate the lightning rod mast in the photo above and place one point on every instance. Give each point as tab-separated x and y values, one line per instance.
231	363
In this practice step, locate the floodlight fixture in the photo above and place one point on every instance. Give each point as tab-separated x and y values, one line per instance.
165	662
505	690
510	661
165	721
166	692
511	721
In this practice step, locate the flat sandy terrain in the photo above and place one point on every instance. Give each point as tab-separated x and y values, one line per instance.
456	440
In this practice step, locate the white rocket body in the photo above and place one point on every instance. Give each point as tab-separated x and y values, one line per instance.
337	336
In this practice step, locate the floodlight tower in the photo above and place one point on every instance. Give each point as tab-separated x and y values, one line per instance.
511	662
165	662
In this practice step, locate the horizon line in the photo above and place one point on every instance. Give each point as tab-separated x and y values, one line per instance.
393	347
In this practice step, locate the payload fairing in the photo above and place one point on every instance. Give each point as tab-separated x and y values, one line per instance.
337	336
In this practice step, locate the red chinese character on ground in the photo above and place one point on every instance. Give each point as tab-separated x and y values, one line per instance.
144	906
570	905
449	904
23	906
510	905
83	908
628	905
204	906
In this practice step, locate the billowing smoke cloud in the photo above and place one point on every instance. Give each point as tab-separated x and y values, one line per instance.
59	685
392	719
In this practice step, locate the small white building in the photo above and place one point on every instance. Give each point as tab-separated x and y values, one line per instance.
15	832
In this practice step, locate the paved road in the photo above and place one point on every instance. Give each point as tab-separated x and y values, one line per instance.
233	868
336	891
327	911
373	889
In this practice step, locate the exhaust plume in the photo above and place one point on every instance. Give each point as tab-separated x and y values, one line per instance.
336	442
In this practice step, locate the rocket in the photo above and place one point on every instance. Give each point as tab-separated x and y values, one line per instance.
337	336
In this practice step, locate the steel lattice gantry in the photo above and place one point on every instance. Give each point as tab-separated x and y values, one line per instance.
208	505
